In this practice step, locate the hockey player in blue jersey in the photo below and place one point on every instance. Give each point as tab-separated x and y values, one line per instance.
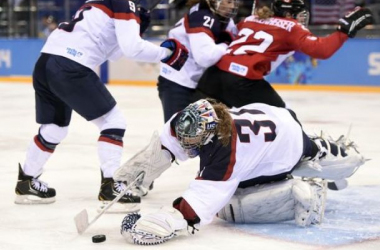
64	80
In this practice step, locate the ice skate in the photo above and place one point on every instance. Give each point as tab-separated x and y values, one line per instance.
30	190
109	189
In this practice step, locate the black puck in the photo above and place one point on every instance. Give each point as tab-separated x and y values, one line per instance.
98	238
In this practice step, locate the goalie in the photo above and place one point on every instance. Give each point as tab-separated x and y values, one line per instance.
247	158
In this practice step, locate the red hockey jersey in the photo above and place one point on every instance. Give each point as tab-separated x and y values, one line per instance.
262	44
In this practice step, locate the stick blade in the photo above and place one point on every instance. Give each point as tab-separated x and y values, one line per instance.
81	221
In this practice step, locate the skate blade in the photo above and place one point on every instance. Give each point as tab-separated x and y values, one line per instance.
140	191
32	200
119	207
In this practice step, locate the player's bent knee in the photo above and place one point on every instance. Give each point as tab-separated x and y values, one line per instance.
114	119
53	133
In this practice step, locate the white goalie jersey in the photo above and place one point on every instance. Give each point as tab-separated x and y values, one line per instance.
100	31
266	141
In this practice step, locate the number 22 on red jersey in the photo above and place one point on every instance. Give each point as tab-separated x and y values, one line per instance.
250	42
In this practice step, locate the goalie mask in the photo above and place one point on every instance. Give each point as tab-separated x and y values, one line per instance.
224	8
295	8
196	126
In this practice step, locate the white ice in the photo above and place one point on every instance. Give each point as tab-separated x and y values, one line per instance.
352	215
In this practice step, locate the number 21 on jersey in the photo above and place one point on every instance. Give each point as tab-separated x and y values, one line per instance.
208	21
248	36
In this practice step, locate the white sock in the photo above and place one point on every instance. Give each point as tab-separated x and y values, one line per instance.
110	157
35	160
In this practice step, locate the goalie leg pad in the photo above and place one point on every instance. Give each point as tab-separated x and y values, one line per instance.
266	203
310	199
276	202
335	160
152	160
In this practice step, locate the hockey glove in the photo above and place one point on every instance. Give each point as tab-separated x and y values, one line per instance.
145	20
354	21
225	37
154	228
179	54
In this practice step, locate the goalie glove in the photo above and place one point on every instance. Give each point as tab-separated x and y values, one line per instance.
151	160
154	228
355	21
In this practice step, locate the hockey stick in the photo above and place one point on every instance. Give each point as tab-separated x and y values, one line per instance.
81	219
254	7
152	6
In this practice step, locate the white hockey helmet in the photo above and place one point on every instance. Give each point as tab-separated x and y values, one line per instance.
224	8
196	126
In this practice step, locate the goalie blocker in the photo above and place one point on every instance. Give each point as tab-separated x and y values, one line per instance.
152	160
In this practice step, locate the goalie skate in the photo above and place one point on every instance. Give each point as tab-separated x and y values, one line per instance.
336	160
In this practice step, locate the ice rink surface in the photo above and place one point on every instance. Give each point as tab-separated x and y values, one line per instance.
352	219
